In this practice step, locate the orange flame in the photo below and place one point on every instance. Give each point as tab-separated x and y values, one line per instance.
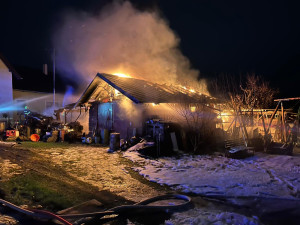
121	75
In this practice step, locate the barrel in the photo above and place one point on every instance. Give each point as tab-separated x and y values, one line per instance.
2	126
114	143
105	136
97	139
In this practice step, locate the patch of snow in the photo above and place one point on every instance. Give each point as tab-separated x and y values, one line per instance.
9	169
216	217
262	174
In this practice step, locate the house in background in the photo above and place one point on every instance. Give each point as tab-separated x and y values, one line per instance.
7	72
33	90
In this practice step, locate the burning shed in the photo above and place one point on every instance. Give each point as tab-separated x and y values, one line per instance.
138	91
124	104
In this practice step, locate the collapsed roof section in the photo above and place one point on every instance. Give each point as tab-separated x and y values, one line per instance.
140	91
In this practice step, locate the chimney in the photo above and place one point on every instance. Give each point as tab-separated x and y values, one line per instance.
45	69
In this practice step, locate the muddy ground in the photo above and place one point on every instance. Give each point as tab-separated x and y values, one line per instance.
56	176
79	169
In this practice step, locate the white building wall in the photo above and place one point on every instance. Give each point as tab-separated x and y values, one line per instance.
39	102
6	92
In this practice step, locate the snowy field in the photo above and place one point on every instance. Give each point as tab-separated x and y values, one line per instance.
263	175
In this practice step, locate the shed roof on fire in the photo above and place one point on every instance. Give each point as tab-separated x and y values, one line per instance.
139	91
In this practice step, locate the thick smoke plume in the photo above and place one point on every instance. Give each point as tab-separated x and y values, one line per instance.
120	39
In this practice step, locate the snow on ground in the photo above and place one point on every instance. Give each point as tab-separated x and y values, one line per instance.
8	169
7	220
216	217
261	175
100	169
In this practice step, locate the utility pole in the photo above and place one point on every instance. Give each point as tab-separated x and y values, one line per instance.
54	78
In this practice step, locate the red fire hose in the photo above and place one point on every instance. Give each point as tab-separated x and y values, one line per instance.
39	214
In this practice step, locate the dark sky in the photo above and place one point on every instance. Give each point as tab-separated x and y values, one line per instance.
218	36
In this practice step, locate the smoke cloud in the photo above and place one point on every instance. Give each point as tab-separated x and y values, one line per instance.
120	39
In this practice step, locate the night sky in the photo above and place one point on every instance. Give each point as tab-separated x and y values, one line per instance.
233	37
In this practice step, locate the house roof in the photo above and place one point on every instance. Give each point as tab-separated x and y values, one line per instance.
142	91
10	67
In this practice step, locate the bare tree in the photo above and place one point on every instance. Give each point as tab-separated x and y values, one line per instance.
250	93
257	93
243	96
198	122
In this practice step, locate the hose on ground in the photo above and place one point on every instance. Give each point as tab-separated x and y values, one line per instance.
141	207
38	214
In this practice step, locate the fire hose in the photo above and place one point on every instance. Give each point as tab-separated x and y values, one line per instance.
140	207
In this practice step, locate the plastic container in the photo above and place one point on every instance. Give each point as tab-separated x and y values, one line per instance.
35	137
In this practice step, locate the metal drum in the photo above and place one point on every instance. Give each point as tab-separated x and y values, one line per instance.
104	136
114	143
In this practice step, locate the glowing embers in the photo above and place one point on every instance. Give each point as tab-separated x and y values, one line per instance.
122	75
188	90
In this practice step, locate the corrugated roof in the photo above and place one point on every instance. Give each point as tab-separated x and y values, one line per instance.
141	91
